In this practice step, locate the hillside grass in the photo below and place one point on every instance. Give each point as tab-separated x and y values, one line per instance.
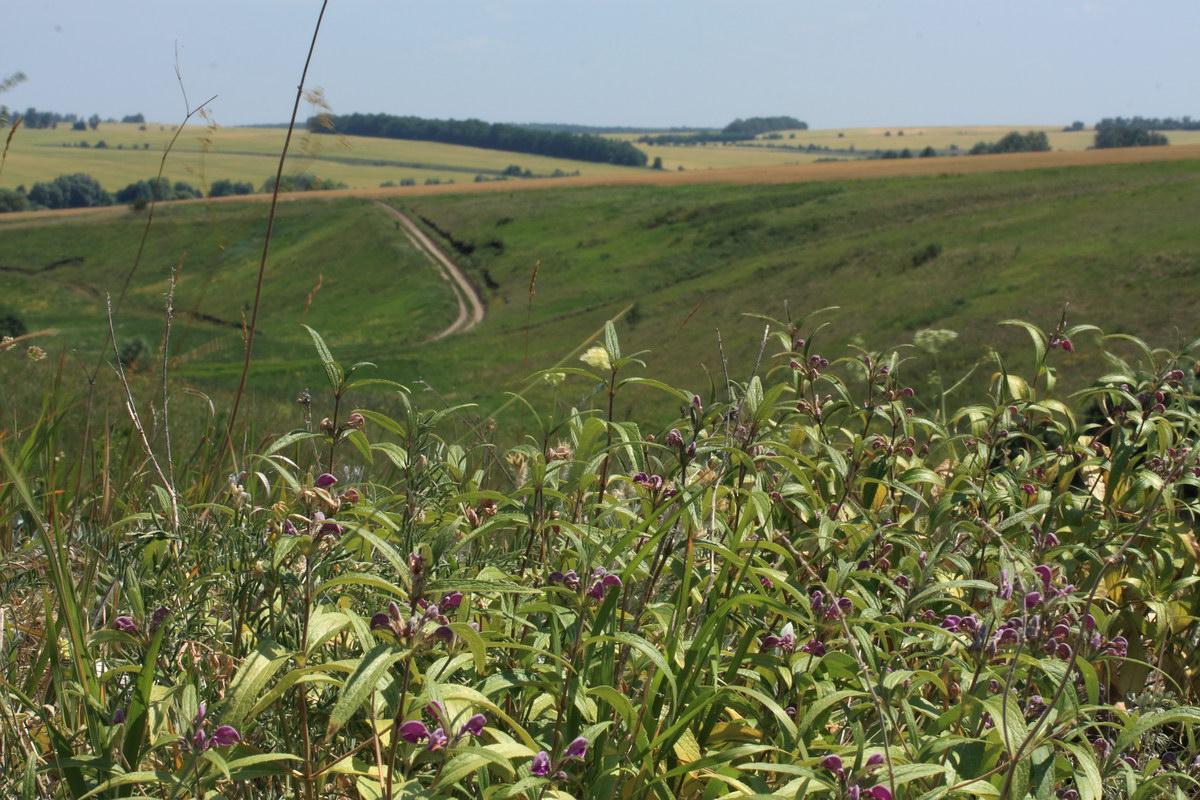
327	257
1113	243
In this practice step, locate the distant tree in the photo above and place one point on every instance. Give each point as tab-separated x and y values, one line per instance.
408	181
226	188
94	121
1014	142
906	153
134	118
70	191
303	182
12	201
657	163
100	145
79	125
928	152
1127	136
755	125
1074	126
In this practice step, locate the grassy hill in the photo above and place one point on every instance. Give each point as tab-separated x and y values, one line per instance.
961	252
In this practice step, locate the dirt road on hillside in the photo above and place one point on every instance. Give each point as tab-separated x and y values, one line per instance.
470	304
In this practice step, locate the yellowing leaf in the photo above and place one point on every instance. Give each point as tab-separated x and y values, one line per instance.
687	749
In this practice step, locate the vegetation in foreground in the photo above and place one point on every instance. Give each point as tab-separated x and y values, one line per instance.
800	587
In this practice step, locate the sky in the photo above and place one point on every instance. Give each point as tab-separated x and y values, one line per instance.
642	63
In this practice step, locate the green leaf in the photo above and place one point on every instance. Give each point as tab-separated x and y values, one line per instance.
137	716
372	668
610	341
263	662
332	371
1139	726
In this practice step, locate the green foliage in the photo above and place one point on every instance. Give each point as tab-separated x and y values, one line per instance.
1128	136
142	192
1014	142
225	188
12	201
755	125
69	191
798	585
301	182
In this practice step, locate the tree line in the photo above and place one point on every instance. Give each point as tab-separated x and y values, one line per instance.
1185	123
81	190
492	136
39	120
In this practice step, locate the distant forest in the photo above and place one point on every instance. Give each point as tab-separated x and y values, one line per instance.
740	130
1150	123
493	136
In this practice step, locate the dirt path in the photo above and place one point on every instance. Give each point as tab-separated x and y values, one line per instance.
470	305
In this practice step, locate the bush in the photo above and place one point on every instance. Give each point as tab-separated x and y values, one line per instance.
1128	136
70	191
225	188
13	201
11	324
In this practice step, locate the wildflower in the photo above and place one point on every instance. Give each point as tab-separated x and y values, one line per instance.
1032	599
577	748
554	378
833	764
1029	489
473	726
879	792
674	438
451	601
118	716
814	647
325	480
224	736
356	421
437	739
603	583
785	641
932	340
6	342
540	765
35	353
596	357
201	712
414	731
157	617
126	625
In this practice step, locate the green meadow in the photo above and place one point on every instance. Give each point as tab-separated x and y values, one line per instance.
681	267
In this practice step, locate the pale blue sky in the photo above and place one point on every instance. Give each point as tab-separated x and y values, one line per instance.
834	63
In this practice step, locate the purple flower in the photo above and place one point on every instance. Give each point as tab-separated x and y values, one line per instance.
437	740
879	792
224	736
875	759
541	764
815	647
853	793
200	740
414	731
157	617
1032	599
125	625
201	713
832	763
577	748
473	726
381	621
785	641
325	480
451	601
1046	574
118	716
